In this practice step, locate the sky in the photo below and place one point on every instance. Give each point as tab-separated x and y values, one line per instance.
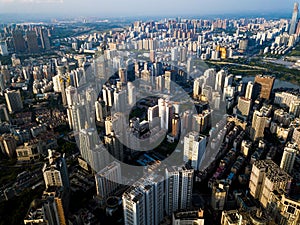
135	8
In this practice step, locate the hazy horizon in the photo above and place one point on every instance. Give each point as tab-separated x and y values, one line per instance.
139	8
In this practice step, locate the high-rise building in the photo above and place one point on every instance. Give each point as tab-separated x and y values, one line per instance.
284	209
249	90
260	121
244	106
179	186
108	95
176	126
55	205
220	79
160	83
131	93
202	122
152	55
56	83
228	80
295	108
296	136
228	92
3	113
108	180
100	110
120	101
19	42
71	96
91	150
194	149
143	202
3	48
55	171
294	19
13	100
219	195
243	45
267	176
169	77
77	116
285	99
153	112
197	90
45	39
123	75
114	146
8	145
48	210
265	85
87	141
162	113
32	43
289	157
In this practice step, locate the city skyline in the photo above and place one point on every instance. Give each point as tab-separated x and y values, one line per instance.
135	8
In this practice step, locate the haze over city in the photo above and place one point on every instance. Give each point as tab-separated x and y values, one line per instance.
134	8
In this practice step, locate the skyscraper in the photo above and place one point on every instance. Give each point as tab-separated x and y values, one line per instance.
3	48
123	75
32	43
45	39
120	101
71	96
100	110
19	41
114	146
13	101
55	171
267	176
131	93
176	126
87	140
194	149
220	79
202	122
288	158
56	203
265	85
244	106
152	55
294	19
108	180
179	186
143	201
249	90
197	90
220	191
260	121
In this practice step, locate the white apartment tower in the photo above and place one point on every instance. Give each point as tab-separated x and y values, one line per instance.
194	149
108	180
179	186
55	172
143	201
289	157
